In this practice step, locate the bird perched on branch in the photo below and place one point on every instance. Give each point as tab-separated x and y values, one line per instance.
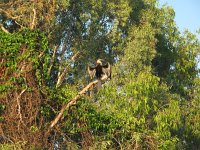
99	71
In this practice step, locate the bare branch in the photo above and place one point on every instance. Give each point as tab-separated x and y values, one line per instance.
34	17
19	106
4	29
74	100
62	75
10	16
19	24
75	56
13	18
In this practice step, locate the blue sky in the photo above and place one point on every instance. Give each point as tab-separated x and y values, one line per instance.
187	14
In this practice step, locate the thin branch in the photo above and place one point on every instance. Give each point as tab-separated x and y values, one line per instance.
75	56
19	24
19	106
34	16
74	100
13	18
4	29
10	16
62	75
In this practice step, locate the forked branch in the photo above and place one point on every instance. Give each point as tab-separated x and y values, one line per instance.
19	106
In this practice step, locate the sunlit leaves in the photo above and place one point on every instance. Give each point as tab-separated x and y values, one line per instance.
18	47
152	100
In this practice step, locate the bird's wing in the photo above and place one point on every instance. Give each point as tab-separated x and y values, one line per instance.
91	71
107	69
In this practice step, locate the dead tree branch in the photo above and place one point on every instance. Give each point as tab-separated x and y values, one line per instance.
74	100
34	17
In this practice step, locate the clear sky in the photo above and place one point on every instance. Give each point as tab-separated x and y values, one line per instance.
187	14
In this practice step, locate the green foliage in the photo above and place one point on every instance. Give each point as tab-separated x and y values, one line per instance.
185	69
133	105
168	118
152	100
15	146
189	131
20	49
85	112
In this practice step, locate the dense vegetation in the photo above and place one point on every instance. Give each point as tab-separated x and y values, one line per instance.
151	102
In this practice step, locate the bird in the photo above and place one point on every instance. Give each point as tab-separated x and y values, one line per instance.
99	71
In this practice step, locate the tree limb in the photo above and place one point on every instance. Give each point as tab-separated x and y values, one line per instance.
74	100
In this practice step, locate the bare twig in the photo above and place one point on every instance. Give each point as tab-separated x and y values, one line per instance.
75	56
34	17
12	17
19	24
4	29
74	100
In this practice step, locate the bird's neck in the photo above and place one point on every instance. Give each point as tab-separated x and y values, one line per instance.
99	64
